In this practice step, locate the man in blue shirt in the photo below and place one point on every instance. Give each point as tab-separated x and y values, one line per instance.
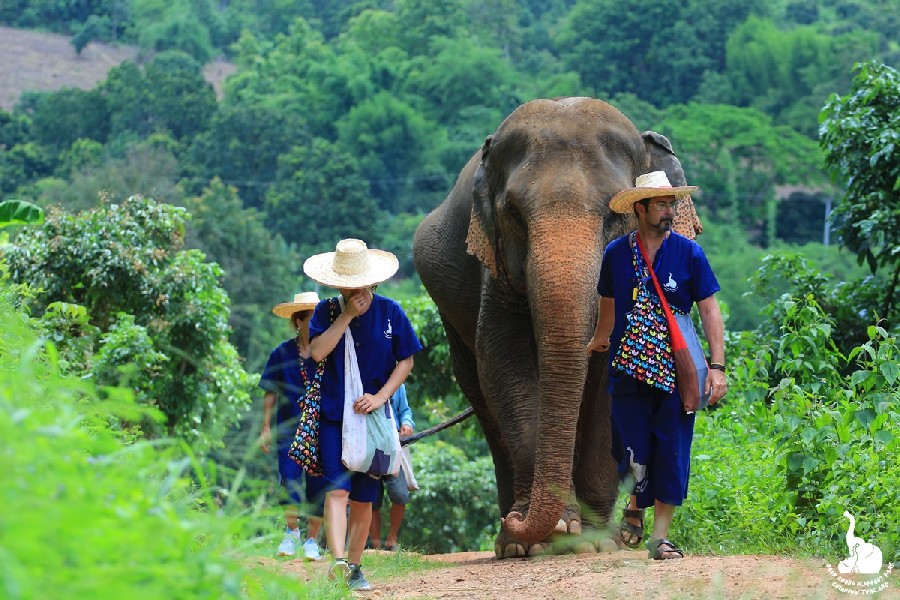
653	430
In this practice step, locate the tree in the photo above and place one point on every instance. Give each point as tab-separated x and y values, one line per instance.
259	268
170	95
61	117
396	146
860	136
161	315
321	197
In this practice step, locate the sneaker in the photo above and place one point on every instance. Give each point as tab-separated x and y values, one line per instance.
288	546
340	570
356	580
311	550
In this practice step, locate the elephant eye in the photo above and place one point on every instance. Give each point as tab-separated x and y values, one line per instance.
515	215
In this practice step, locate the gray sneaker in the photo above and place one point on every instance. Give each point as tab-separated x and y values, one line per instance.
340	571
356	580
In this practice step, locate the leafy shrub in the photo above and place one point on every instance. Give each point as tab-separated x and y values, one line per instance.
783	471
158	313
456	507
86	516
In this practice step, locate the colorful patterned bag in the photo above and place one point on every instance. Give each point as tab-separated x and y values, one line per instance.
645	351
304	449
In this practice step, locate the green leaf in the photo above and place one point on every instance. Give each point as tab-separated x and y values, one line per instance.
884	436
891	371
865	416
19	212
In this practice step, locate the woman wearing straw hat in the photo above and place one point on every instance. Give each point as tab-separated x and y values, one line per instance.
286	376
385	343
654	427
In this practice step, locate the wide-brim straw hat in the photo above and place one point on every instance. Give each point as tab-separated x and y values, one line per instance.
351	266
302	301
649	185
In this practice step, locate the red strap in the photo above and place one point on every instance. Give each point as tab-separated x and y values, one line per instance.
675	336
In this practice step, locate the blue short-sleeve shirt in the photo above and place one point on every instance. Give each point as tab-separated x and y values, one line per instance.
383	336
681	267
282	377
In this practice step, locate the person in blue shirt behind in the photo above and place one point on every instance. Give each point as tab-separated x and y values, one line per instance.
396	485
284	379
652	431
385	343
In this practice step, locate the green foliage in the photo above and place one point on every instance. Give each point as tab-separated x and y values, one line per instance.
456	507
847	296
60	118
259	268
114	520
783	471
787	74
737	156
127	258
860	136
169	95
19	212
395	144
321	197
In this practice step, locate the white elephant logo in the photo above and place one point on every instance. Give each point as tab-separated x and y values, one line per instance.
639	472
865	558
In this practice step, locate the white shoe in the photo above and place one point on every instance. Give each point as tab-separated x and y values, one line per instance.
311	550
288	546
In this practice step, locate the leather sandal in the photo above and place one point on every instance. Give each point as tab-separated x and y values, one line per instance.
637	531
659	548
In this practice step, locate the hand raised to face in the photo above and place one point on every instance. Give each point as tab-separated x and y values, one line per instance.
358	302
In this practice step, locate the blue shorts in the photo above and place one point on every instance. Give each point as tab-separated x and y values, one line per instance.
396	487
362	487
302	490
655	436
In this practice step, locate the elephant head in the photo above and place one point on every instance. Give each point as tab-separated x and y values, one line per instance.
539	222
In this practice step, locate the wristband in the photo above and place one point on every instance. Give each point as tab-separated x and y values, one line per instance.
717	366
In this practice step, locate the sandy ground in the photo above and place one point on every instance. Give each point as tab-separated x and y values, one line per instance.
623	574
36	61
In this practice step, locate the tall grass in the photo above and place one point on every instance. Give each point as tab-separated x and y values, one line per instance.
84	513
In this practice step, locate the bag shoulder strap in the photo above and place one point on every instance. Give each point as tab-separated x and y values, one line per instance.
674	331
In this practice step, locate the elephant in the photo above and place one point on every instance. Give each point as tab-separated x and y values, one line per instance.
511	259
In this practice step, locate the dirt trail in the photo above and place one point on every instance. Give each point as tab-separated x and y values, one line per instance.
624	574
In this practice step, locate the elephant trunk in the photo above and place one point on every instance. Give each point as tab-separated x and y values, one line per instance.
563	269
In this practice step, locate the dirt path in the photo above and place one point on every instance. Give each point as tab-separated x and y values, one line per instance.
624	574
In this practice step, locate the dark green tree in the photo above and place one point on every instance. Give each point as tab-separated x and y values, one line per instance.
396	146
61	117
321	197
860	137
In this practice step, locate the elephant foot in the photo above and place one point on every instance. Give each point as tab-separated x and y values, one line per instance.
566	537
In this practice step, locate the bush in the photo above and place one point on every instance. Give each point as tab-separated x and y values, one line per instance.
456	507
87	516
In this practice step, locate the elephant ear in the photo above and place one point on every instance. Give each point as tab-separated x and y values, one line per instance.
662	158
481	238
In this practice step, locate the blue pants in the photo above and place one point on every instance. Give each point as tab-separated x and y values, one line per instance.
362	487
396	487
655	436
302	490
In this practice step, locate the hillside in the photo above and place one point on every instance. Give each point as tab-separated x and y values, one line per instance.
38	61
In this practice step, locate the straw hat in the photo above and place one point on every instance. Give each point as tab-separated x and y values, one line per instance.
351	266
649	185
302	301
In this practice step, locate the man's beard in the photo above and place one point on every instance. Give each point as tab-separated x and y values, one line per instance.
664	225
